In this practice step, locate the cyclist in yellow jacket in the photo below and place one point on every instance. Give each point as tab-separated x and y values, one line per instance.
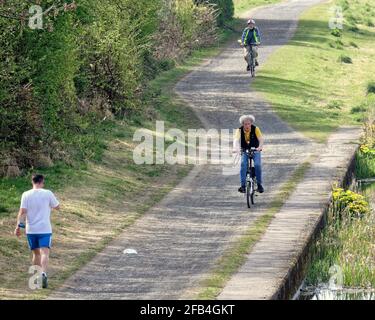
250	41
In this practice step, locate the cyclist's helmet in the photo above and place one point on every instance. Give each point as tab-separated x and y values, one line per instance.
250	21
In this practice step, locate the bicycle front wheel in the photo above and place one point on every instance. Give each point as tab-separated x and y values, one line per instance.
249	193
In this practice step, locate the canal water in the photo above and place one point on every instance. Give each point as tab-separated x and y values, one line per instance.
325	291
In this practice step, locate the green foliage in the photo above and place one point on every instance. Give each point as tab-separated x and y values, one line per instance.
225	8
336	32
88	63
365	157
354	203
345	242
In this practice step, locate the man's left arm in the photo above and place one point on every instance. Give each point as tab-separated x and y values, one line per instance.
260	139
258	35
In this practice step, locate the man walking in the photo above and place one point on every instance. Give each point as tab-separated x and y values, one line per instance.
36	205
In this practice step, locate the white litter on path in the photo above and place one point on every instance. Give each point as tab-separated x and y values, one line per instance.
130	251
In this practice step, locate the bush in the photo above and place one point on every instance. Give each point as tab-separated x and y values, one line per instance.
336	32
183	28
371	87
334	104
354	203
225	8
358	109
345	59
353	28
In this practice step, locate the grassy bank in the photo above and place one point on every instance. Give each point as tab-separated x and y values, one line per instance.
241	6
347	242
320	79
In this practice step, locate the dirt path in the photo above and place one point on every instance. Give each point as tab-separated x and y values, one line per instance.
179	240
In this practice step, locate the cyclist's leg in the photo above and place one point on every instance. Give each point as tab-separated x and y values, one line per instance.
244	160
258	166
255	54
248	55
245	54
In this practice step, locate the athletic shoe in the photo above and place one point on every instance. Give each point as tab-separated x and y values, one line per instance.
242	189
260	188
44	281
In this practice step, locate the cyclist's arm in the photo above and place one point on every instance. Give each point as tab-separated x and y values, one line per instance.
236	142
261	143
258	36
260	138
243	36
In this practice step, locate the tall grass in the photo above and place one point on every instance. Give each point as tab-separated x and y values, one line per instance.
365	157
347	241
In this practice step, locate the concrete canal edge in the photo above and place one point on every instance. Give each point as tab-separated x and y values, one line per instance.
298	270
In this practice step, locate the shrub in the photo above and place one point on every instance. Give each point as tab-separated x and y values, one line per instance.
353	28
358	109
354	203
336	32
225	8
334	104
371	87
345	59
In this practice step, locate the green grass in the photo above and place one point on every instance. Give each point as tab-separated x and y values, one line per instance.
235	256
319	67
365	156
241	6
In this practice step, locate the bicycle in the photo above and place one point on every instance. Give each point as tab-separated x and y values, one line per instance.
252	60
251	181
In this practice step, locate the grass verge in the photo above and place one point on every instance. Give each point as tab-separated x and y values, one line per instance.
241	6
235	256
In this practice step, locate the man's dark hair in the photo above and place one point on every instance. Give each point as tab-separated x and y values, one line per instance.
37	178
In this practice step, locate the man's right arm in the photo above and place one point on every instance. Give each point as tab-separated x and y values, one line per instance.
236	142
243	36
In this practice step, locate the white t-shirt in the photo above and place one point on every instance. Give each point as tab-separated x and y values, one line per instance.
38	203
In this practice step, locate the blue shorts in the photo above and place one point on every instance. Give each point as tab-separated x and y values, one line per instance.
37	241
